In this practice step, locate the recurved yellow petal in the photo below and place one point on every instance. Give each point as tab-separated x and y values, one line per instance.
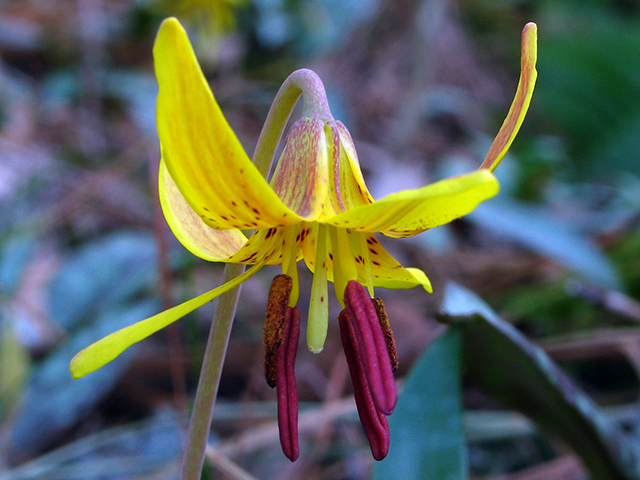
198	237
386	271
521	101
107	349
374	264
410	212
263	246
201	152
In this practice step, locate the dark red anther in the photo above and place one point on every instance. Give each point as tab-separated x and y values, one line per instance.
372	346
373	421
387	332
286	384
274	323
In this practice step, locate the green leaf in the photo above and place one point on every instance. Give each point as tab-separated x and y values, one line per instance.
102	275
426	427
536	229
54	402
519	375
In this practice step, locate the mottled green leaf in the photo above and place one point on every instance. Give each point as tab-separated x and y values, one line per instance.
54	401
101	275
426	426
519	375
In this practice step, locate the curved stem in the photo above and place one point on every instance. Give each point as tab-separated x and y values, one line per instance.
202	413
301	82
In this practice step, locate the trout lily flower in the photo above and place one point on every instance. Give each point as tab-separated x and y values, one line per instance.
316	208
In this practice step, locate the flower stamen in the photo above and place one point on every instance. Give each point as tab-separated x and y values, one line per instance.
281	334
274	324
286	385
290	250
373	421
387	332
345	267
372	346
366	262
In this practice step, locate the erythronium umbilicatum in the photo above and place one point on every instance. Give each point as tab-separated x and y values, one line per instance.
316	207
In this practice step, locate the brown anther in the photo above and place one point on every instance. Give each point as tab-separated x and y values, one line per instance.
387	332
372	346
286	384
373	421
274	323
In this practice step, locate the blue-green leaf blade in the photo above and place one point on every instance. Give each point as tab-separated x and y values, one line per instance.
426	426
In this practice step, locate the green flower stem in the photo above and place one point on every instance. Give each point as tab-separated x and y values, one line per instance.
200	426
301	82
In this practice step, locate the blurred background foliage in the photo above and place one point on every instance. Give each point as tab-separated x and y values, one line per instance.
423	86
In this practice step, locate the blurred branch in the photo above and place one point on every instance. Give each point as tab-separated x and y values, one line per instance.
610	300
567	467
93	35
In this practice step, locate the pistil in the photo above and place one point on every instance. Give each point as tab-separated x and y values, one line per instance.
318	320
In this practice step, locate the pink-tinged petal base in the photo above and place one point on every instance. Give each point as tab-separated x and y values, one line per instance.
301	177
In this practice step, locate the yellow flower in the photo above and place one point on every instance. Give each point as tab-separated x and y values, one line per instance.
215	16
316	207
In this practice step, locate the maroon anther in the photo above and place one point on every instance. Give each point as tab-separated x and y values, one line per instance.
277	306
371	345
387	332
286	384
373	421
